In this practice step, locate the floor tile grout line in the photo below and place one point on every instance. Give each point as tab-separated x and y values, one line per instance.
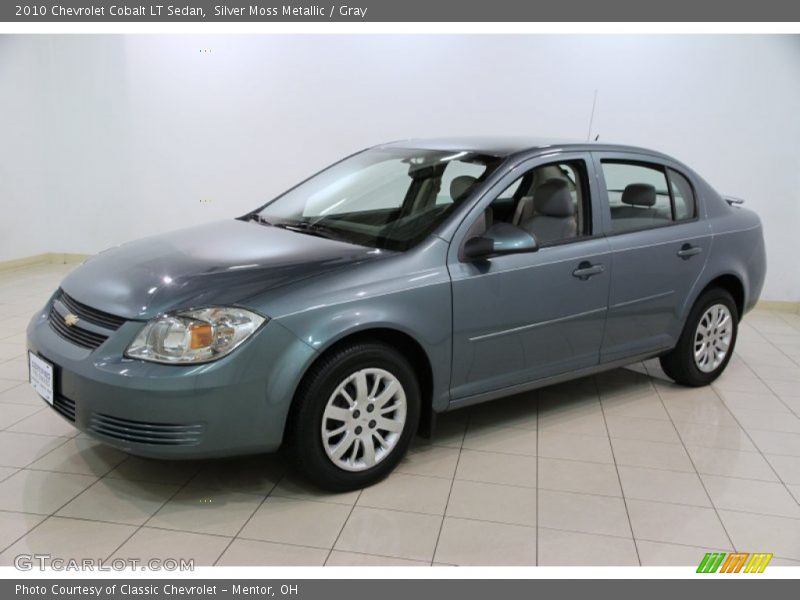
260	504
796	362
621	497
757	447
300	498
44	518
631	439
697	473
170	529
163	504
463	518
726	476
21	512
137	526
571	460
45	435
49	452
371	555
10	403
766	383
53	513
783	317
293	544
664	502
282	495
36	412
14	471
671	543
253	539
619	477
789	415
342	528
752	369
450	491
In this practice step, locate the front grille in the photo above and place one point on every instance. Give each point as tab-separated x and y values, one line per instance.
75	334
139	432
65	407
87	313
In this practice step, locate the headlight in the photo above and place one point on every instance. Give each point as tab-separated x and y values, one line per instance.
194	336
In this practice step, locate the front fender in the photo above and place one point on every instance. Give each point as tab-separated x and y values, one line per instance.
422	313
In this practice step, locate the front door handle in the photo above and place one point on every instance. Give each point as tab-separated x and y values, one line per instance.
586	270
687	251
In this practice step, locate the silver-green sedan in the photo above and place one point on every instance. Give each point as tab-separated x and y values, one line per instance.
406	280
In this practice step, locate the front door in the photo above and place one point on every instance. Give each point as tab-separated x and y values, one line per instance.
522	317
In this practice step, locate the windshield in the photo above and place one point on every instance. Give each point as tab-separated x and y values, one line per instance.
383	198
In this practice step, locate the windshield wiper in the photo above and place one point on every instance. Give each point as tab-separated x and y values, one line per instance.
258	219
310	228
307	227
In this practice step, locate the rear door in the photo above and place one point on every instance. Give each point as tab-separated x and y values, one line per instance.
659	246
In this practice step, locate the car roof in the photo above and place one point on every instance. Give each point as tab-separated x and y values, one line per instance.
504	146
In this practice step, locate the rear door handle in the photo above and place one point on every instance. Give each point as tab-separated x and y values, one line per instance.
586	270
687	251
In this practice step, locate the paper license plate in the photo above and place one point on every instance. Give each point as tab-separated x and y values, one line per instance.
41	376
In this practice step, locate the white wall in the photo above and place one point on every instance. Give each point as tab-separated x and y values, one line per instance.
24	229
108	138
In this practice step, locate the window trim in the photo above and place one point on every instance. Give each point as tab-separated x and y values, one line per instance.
656	166
691	188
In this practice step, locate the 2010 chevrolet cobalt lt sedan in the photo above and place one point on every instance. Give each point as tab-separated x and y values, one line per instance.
406	280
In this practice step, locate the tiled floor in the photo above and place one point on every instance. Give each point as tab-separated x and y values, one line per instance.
624	468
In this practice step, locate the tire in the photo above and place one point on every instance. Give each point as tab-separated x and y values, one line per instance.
332	396
681	363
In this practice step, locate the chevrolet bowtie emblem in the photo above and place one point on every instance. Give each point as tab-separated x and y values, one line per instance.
71	319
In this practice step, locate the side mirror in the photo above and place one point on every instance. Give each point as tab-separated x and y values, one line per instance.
499	239
478	247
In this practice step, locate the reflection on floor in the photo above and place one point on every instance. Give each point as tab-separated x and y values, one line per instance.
625	468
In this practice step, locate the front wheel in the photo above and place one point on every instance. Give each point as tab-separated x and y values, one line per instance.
707	341
356	413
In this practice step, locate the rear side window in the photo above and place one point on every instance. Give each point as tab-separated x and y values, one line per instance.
642	195
682	195
638	196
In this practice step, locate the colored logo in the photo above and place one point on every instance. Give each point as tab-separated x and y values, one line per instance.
71	319
737	562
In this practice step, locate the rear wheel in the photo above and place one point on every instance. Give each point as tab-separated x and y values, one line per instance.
356	413
707	341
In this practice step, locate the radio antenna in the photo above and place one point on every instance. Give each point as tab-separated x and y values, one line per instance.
591	117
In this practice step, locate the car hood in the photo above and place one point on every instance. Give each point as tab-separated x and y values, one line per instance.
227	262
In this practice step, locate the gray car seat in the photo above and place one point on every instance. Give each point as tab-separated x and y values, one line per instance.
638	208
555	213
526	206
460	186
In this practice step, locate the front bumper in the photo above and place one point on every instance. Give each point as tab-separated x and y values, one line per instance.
236	405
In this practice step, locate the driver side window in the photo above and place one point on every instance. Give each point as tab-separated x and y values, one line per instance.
551	202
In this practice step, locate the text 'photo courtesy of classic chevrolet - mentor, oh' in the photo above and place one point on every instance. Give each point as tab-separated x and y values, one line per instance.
406	280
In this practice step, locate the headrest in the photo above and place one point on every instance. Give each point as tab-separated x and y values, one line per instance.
552	199
460	185
639	194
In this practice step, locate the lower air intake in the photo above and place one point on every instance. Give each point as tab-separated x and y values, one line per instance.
140	432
